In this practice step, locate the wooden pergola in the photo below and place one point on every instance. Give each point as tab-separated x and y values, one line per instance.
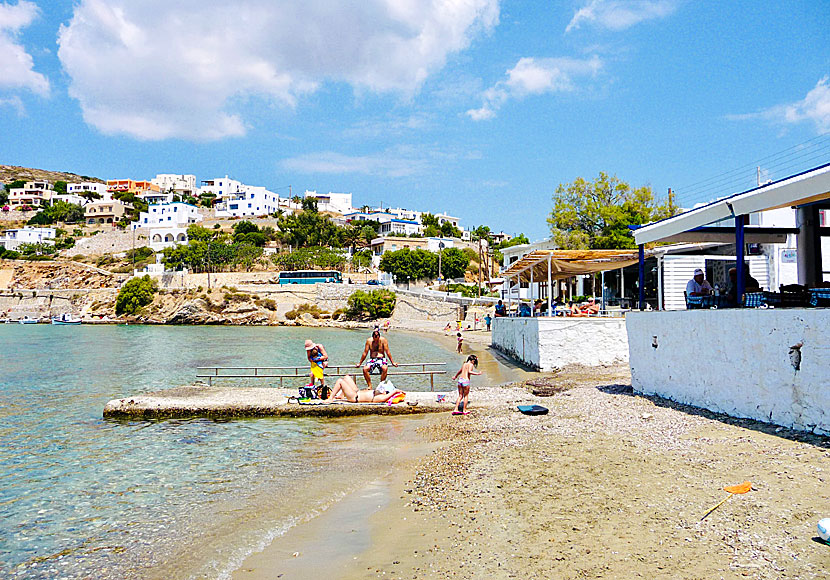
553	265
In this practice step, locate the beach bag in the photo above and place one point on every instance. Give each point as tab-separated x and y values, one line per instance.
385	387
308	392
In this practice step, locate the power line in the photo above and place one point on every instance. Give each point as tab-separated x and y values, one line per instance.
777	165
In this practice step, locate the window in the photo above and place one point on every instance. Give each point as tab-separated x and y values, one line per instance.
234	206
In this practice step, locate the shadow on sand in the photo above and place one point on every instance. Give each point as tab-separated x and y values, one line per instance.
767	428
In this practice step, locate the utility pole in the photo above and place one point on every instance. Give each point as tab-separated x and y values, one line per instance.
480	266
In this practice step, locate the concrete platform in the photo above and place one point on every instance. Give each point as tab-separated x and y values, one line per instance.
227	402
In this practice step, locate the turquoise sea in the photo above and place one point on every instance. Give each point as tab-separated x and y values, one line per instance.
84	497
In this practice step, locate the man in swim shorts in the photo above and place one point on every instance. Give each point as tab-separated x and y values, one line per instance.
377	347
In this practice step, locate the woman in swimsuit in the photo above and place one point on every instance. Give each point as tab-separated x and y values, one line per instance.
347	389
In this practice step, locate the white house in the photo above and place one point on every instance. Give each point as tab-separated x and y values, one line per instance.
183	185
235	199
12	239
336	202
70	198
168	215
399	227
166	237
89	187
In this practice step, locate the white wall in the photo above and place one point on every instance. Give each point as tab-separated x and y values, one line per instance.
550	343
736	362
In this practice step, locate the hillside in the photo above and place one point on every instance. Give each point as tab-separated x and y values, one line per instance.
9	173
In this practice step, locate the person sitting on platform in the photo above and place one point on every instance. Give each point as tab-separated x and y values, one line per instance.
500	309
750	285
346	389
697	286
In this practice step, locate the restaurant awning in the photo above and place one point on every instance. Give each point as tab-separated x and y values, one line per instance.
568	263
803	188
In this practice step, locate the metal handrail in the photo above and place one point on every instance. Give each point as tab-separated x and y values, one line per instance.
336	368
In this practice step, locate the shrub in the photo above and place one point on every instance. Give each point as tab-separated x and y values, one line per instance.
266	303
134	295
236	297
139	254
373	304
305	308
338	313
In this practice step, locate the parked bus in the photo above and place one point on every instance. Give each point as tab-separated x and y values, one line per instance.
310	276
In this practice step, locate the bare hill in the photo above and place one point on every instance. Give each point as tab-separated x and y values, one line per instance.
9	173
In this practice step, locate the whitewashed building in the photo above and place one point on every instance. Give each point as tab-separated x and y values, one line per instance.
167	237
235	199
168	215
334	202
183	185
89	187
12	239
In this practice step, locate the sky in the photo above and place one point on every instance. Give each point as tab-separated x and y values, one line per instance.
476	108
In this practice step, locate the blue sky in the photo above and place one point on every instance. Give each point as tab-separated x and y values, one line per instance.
479	108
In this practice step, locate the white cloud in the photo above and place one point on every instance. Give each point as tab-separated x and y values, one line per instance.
533	76
15	103
394	163
16	65
620	14
815	108
155	69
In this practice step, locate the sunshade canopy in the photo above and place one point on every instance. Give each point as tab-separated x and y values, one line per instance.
568	263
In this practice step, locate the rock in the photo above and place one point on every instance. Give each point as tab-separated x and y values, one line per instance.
192	312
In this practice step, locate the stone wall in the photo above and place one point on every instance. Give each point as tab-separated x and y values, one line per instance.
770	364
408	307
15	216
107	242
48	303
550	343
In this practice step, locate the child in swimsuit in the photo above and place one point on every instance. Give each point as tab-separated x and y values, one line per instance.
460	340
463	378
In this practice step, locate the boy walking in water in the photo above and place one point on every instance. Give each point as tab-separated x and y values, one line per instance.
463	377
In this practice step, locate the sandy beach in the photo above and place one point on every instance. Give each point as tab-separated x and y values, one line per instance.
607	485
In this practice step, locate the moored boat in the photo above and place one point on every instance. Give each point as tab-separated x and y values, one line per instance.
66	319
27	320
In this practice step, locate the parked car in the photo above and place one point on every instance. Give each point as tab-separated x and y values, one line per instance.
373	283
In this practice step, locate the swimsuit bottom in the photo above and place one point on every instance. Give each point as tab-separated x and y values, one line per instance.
463	382
376	364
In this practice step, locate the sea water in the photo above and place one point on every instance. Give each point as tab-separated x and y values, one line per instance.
84	497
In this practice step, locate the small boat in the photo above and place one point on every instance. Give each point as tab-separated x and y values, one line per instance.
66	319
27	320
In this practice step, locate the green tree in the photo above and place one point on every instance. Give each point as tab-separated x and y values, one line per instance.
597	214
450	231
410	264
309	204
199	233
309	259
362	259
309	228
453	263
374	304
60	187
246	255
134	295
60	211
427	219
